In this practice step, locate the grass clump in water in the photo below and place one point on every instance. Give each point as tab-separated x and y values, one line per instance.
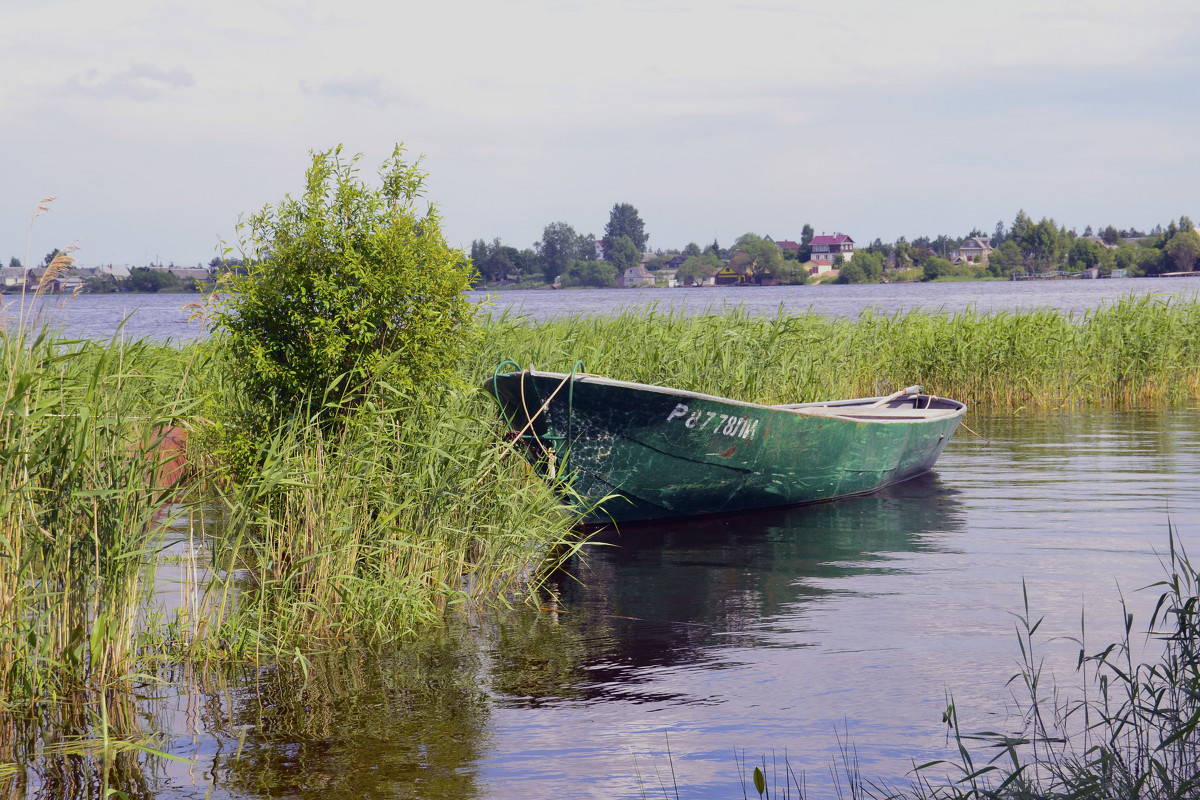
1134	732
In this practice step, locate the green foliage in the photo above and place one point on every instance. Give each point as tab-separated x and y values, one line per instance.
791	272
1006	261
1184	249
905	256
82	492
559	247
1086	254
349	286
1151	261
698	268
936	267
1138	350
144	279
1123	257
498	262
367	532
599	274
865	267
624	220
754	256
622	253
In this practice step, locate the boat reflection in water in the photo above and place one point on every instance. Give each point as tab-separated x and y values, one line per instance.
680	593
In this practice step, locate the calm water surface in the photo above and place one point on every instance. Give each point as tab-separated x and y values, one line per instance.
167	316
764	632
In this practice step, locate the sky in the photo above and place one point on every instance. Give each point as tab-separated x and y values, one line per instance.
158	125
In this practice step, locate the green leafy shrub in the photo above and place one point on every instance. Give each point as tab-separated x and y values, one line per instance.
350	285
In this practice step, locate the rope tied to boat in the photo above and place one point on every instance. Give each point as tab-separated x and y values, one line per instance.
984	439
527	429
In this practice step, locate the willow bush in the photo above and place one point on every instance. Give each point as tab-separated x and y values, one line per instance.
1135	351
348	286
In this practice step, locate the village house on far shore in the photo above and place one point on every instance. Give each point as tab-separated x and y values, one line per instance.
635	276
825	249
787	245
974	251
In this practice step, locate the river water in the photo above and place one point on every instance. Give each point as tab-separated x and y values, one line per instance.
796	631
177	317
803	631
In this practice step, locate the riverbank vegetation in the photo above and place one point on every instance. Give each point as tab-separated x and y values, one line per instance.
343	483
1135	351
1023	249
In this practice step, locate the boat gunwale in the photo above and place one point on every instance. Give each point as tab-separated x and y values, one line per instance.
827	409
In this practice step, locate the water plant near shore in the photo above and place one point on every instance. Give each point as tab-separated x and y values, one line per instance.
1133	352
1132	729
81	496
373	530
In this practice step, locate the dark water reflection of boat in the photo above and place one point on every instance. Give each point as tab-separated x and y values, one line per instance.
659	595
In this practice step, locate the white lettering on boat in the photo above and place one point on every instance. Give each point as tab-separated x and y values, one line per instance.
726	425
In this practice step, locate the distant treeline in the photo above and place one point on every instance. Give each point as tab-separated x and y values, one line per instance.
1022	247
59	269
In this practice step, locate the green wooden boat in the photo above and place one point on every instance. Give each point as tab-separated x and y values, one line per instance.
630	451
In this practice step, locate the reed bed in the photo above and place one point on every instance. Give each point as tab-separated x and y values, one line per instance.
80	504
369	531
347	536
1137	351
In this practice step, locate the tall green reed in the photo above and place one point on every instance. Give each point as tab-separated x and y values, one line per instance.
1131	729
81	494
1134	351
371	529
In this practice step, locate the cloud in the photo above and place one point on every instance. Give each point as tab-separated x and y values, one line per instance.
142	82
367	89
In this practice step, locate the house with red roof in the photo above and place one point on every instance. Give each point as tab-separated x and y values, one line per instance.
786	245
826	248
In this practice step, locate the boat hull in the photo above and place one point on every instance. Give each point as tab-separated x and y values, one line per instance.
632	452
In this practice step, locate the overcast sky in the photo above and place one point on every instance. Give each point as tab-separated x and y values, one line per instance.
156	124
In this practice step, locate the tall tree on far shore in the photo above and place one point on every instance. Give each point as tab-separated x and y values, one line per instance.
624	220
806	237
755	257
1183	250
623	253
559	248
